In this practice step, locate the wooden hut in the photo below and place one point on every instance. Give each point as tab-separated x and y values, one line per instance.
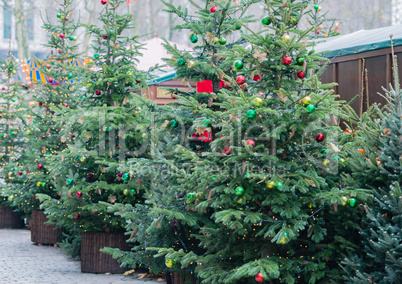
361	64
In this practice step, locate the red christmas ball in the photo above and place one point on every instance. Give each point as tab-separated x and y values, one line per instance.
287	60
320	137
19	173
213	9
103	2
72	135
61	35
79	194
97	92
42	137
250	142
301	75
48	66
258	278
50	80
40	166
90	175
120	174
77	216
240	79
244	87
3	88
40	104
60	50
65	105
227	151
104	36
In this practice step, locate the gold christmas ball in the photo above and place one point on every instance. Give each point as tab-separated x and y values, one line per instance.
344	201
270	185
11	198
82	159
258	101
38	183
286	38
125	192
326	162
191	64
28	132
216	40
306	100
170	262
10	174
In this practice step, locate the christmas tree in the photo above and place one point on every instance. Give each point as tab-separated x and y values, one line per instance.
260	192
381	236
99	133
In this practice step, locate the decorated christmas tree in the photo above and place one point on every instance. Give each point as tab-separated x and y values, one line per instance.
260	192
100	133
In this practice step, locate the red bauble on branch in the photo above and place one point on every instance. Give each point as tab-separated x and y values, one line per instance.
79	194
301	75
103	2
40	166
287	60
77	216
61	35
240	79
97	92
320	137
213	9
90	175
250	142
258	278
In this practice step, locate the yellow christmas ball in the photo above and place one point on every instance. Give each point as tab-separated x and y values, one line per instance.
342	160
170	262
191	64
11	198
28	132
82	159
258	101
286	38
271	185
306	100
216	40
326	162
344	201
143	135
10	174
38	183
29	117
125	192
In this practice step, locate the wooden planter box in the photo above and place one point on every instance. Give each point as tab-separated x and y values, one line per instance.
93	261
180	278
10	219
42	233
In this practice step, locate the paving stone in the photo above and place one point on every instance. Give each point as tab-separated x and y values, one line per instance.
22	262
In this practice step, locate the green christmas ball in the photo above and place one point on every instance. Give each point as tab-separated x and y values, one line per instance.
84	97
251	113
108	128
96	55
193	38
300	60
181	61
12	169
125	177
247	174
310	108
191	197
239	191
13	100
12	133
323	151
278	185
316	7
5	156
111	32
43	184
266	21
58	16
207	122
174	123
239	65
71	38
69	76
238	27
69	181
222	40
352	202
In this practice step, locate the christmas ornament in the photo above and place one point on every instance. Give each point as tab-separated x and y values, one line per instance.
12	133
69	181
361	151
40	166
278	185
284	240
316	7
239	191
58	16
215	40
170	262
207	122
293	20
320	137
89	176
69	76
42	137
193	38
11	198
240	79
266	21
238	27
306	100
301	75
352	202
251	113
222	40
286	38
174	124
300	61
310	108
19	173
5	156
77	216
125	177
238	64
270	185
43	184
227	152
250	143
326	162
191	64
258	101
191	197
71	38
96	55
344	201
213	9
61	35
104	2
259	278
181	61
38	184
79	194
97	92
120	174
287	60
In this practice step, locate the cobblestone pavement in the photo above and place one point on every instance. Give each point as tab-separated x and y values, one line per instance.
23	262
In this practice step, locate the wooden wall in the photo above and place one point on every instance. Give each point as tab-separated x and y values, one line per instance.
348	72
160	94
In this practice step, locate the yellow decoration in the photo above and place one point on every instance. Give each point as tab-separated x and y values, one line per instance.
258	101
38	183
10	174
83	158
125	192
28	132
170	262
271	185
11	198
286	38
306	100
344	201
326	162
